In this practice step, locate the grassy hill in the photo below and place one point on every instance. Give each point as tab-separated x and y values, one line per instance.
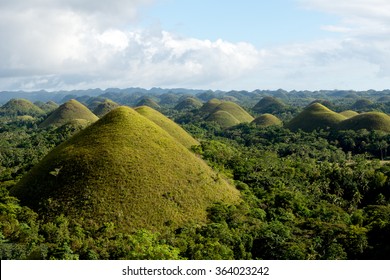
369	121
209	107
105	107
266	120
47	107
269	104
223	118
127	170
349	113
315	116
168	125
20	107
235	110
148	102
189	103
67	112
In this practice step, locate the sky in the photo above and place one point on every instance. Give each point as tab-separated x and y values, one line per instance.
214	44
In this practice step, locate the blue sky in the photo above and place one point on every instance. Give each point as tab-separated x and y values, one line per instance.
241	45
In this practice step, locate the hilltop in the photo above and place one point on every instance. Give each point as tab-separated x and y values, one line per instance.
127	170
148	102
67	112
369	121
266	120
223	118
315	116
105	107
269	104
20	107
189	103
349	113
168	125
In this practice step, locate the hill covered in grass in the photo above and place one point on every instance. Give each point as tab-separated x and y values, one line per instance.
315	116
148	102
127	170
189	103
168	125
269	104
369	121
349	113
20	107
223	118
105	107
67	112
266	120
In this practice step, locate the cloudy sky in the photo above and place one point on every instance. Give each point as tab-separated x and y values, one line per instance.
203	44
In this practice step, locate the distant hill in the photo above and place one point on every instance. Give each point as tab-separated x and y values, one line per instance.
168	125
67	112
148	102
20	107
105	107
315	116
269	104
223	118
127	170
235	110
189	103
46	107
369	121
266	120
362	104
209	107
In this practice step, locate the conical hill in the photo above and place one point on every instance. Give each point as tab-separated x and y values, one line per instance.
189	103
20	107
168	125
266	120
349	113
105	107
369	121
148	102
315	116
269	104
223	118
209	106
235	110
127	170
68	112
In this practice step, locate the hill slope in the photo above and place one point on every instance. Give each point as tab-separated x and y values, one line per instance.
369	121
105	107
269	104
315	116
223	118
20	107
235	110
189	103
168	125
67	112
266	120
127	170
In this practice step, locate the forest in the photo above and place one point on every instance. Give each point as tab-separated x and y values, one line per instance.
312	171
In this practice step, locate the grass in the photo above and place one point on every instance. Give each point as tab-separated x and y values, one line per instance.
127	170
148	102
349	113
189	103
67	112
266	120
369	121
209	107
269	104
105	107
168	125
47	107
223	118
20	107
235	110
315	116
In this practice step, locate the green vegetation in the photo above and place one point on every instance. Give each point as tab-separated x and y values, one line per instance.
148	102
125	188
20	107
349	113
189	103
269	104
168	125
67	112
47	107
315	116
209	107
235	110
369	121
266	120
105	107
127	170
223	119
